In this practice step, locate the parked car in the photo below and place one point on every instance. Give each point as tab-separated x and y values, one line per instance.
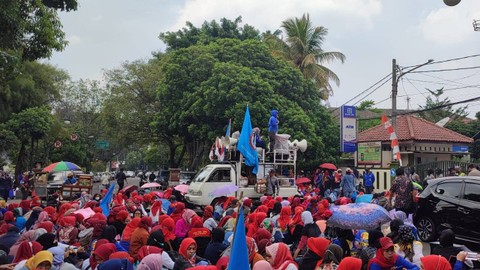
450	202
130	173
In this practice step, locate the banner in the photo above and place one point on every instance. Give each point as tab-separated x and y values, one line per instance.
369	153
348	129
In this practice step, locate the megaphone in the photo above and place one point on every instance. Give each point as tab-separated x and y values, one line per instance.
301	145
229	141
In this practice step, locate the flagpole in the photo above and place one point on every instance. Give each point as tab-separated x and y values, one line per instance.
236	221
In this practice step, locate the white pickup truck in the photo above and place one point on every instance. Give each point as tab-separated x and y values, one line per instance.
216	175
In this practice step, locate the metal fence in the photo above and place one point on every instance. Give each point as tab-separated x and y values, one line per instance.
422	169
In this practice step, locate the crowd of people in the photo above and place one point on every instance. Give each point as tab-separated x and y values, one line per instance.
157	231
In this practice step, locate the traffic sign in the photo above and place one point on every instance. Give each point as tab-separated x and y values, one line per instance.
104	145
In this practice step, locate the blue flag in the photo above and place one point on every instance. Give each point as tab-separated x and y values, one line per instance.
105	202
228	128
246	143
239	254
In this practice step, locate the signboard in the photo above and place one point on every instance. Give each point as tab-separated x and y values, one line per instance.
348	129
369	153
460	148
104	145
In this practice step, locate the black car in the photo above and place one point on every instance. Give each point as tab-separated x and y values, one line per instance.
450	202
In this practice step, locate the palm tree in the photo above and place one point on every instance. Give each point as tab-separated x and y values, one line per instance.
303	48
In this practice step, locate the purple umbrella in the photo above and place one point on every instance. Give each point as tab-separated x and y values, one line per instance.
364	216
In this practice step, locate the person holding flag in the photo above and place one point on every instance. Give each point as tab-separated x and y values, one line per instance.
273	129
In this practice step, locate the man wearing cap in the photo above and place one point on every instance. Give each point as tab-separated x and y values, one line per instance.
70	179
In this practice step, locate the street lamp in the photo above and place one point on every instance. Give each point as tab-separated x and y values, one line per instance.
451	3
395	80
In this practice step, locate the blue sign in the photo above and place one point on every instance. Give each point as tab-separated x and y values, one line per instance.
348	129
460	148
393	172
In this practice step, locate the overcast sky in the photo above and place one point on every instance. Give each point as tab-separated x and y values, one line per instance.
105	33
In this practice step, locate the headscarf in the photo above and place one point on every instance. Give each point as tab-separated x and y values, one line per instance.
262	234
9	217
284	219
183	249
156	239
47	240
280	255
31	220
435	262
262	265
187	215
4	228
177	213
121	255
405	242
318	245
122	215
350	263
103	252
297	218
52	213
147	250
262	244
168	227
47	225
97	225
252	248
24	237
26	250
39	232
307	218
58	256
385	243
334	253
42	256
41	218
145	222
130	228
262	208
207	212
447	238
373	237
123	264
156	208
151	262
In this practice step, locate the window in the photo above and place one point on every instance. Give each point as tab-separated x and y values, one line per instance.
450	189
472	192
220	176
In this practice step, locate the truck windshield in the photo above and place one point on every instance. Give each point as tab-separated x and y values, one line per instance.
202	174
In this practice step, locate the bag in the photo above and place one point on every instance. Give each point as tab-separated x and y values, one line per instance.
11	194
260	188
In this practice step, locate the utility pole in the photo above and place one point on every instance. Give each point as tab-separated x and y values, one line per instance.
395	80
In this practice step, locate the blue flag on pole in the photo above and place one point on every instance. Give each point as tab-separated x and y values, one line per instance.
228	128
239	254
105	202
246	143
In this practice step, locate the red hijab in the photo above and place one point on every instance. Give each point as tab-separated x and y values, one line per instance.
318	245
251	249
121	255
177	213
281	256
156	208
183	249
47	225
284	219
103	252
168	227
297	218
147	250
435	262
130	228
352	263
379	259
207	212
26	250
262	208
261	234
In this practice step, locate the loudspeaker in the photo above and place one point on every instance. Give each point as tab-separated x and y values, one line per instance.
228	142
301	145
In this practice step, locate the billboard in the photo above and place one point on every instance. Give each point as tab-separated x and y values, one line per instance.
369	153
348	129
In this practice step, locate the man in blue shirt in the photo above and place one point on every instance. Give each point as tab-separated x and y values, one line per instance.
273	129
368	180
70	179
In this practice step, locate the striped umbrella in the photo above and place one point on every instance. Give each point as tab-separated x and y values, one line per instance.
62	166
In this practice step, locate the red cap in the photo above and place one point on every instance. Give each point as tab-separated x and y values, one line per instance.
386	242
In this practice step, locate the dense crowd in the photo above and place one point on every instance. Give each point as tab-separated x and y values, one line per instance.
157	231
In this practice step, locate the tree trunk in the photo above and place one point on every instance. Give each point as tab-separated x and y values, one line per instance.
180	157
20	165
198	156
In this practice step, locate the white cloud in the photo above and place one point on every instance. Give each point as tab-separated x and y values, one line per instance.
74	39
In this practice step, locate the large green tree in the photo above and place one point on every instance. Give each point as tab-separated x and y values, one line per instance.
303	47
205	85
367	106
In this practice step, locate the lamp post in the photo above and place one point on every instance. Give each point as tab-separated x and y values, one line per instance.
395	80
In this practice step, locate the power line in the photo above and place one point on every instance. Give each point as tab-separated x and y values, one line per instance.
446	69
388	75
449	60
371	92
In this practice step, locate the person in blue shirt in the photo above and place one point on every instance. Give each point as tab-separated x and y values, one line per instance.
71	180
273	129
368	180
347	184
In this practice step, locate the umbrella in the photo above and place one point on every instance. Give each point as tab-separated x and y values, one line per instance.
224	190
328	166
302	180
165	204
182	188
151	185
365	198
129	188
62	166
159	194
364	216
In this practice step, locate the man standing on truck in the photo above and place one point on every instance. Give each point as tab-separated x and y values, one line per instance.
273	129
273	187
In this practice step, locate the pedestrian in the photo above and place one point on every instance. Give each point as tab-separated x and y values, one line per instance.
273	187
347	184
402	190
473	171
368	180
5	185
273	129
121	179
